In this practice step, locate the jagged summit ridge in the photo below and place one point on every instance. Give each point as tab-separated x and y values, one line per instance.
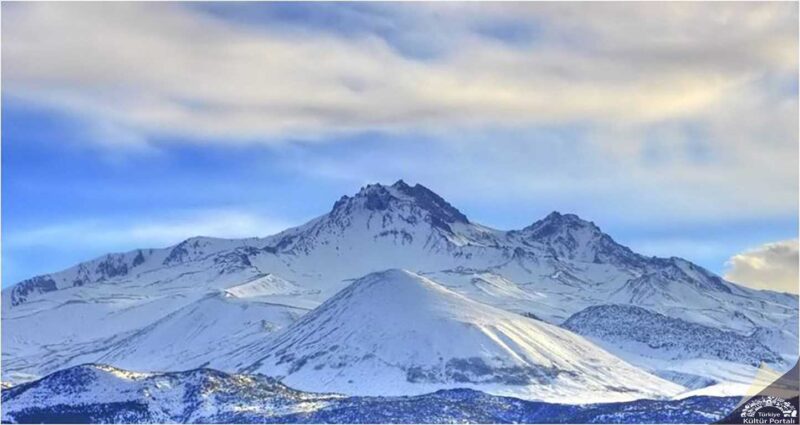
397	215
556	221
378	197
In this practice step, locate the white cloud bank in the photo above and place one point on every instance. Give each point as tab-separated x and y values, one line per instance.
771	266
156	69
685	109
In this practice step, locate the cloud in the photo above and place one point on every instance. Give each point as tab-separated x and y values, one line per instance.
686	110
167	69
110	234
772	266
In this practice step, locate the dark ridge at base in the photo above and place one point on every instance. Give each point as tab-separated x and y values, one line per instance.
210	396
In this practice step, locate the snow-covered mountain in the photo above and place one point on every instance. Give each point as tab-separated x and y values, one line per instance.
396	333
550	270
104	394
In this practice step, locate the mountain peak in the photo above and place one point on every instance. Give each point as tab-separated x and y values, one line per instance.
400	184
393	290
567	218
570	236
391	275
378	197
398	282
556	222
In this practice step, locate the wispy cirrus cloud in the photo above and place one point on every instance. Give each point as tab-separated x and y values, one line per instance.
697	100
168	69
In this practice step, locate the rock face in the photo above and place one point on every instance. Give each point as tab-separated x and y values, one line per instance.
649	334
395	332
550	270
103	394
31	287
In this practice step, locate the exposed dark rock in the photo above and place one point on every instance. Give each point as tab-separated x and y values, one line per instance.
620	325
113	265
35	285
139	259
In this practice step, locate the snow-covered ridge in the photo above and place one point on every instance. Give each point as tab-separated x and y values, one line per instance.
227	254
265	286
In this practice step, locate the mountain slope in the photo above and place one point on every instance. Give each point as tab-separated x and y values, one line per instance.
201	334
395	332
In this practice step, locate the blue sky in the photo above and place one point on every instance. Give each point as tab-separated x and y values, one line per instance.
676	133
